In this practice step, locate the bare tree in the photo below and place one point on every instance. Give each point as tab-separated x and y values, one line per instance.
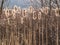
2	2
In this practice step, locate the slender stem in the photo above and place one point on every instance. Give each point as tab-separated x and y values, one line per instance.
57	32
42	33
46	34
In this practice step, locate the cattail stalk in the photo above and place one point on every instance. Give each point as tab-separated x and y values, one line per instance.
42	32
46	34
57	32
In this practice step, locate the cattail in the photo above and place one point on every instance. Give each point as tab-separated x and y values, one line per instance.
24	13
15	8
34	17
46	10
7	13
39	15
13	13
19	10
30	10
57	12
